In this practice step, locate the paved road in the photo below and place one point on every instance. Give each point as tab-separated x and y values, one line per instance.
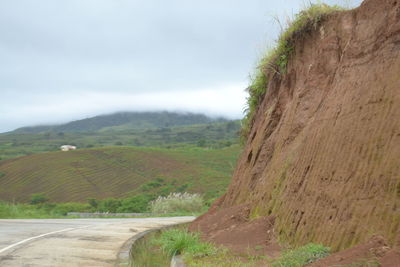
70	242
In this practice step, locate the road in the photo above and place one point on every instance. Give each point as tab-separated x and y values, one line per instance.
70	242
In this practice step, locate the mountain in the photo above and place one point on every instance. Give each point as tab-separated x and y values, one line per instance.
156	129
126	120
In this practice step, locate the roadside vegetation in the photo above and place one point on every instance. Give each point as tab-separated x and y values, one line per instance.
301	256
175	204
275	61
158	248
178	203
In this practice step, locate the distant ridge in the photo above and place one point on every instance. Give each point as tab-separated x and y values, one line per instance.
131	120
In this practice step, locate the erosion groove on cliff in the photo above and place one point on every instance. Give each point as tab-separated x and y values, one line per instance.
323	153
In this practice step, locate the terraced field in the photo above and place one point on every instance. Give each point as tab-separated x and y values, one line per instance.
116	172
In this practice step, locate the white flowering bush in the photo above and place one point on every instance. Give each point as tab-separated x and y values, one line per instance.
178	202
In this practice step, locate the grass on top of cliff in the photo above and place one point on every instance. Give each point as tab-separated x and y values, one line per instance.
275	60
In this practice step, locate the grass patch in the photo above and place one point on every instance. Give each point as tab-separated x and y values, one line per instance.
145	254
301	256
180	241
26	211
276	60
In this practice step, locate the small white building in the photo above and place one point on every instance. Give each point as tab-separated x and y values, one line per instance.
67	147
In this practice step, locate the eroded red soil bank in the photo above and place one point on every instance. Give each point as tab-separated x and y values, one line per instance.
323	155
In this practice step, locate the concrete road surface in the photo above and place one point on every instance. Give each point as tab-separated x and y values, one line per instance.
70	242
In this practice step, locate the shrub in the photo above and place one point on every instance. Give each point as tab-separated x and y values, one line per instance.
275	61
138	203
93	202
177	202
109	205
301	256
39	199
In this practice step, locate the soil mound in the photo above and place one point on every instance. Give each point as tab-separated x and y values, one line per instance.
233	228
323	153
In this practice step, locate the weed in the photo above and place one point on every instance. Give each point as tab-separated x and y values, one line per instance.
301	256
178	241
276	60
178	202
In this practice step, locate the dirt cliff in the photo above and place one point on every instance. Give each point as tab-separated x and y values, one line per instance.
323	153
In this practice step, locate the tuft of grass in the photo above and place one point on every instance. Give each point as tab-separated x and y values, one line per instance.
179	241
301	256
145	254
276	60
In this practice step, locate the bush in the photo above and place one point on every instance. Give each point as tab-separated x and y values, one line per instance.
301	256
109	205
39	199
138	203
178	202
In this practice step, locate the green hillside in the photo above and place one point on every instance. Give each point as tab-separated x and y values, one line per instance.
213	134
124	120
116	172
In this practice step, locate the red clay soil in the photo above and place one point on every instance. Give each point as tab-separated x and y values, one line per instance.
233	229
323	153
368	254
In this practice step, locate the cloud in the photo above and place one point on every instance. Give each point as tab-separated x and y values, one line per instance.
224	100
120	50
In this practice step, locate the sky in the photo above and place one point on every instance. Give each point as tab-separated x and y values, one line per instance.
62	60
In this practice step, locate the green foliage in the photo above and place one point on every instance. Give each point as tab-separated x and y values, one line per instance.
93	202
179	241
178	203
2	174
138	203
44	210
109	205
301	256
276	60
39	199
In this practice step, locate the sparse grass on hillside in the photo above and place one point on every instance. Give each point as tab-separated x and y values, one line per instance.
118	172
276	60
301	256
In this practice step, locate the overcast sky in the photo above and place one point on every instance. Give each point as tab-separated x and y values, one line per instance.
62	60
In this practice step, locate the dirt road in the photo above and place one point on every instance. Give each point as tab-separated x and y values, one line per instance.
70	242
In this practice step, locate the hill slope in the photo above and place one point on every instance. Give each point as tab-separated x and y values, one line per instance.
116	172
124	120
323	150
